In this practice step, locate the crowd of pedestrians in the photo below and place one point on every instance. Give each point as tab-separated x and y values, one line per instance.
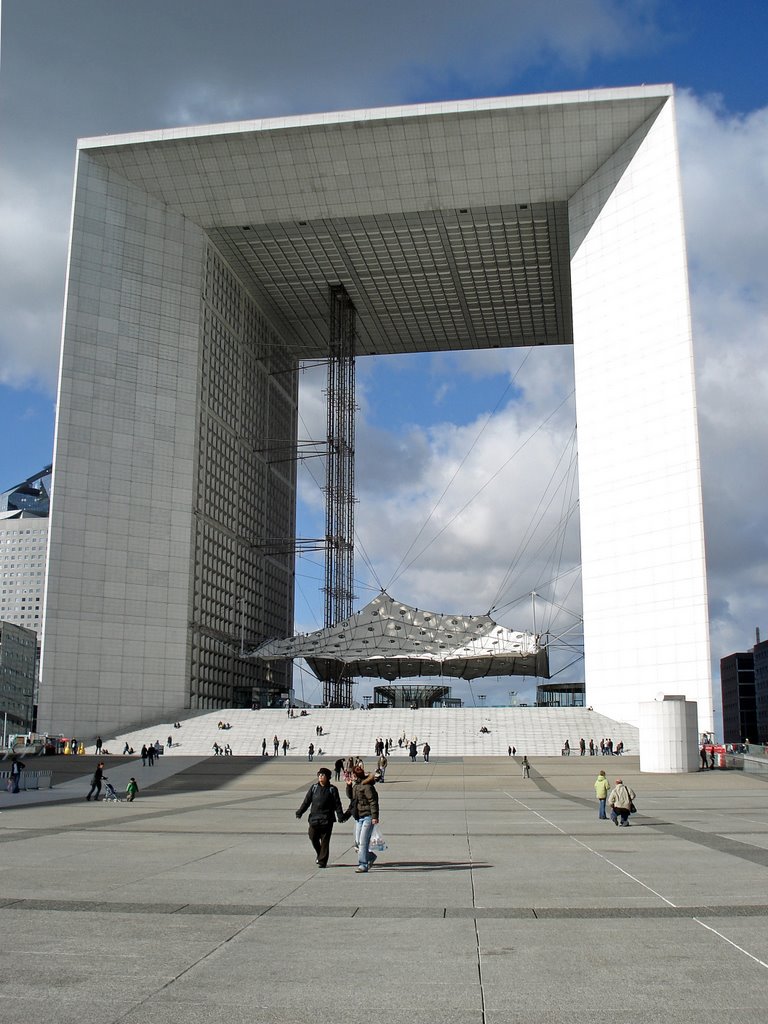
606	747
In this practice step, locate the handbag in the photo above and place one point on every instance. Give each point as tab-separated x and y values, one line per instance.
632	808
376	842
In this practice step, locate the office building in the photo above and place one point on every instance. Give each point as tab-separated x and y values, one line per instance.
23	549
760	664
737	680
18	661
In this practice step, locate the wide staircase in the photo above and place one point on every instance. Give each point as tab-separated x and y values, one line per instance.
450	732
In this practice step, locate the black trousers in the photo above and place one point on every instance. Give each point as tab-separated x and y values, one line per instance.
320	837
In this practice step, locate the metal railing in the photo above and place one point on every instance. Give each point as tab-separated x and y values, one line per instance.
28	779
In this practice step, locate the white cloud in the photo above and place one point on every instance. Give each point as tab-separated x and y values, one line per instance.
206	62
724	161
34	227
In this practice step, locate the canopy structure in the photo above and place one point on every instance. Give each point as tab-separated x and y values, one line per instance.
390	640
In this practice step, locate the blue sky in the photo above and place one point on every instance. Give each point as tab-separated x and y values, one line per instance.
147	65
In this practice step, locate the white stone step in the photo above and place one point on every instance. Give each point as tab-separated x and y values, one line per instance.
537	732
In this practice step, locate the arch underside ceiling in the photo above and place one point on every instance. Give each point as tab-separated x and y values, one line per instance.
446	223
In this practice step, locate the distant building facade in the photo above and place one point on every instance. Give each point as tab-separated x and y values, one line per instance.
737	681
32	496
23	551
18	661
560	695
409	695
760	659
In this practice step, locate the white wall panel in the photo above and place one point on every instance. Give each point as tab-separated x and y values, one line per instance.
644	579
119	560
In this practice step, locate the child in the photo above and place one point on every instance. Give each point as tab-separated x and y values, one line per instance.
131	790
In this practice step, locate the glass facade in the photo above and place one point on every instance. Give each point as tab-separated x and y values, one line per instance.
18	659
560	695
737	679
243	584
32	496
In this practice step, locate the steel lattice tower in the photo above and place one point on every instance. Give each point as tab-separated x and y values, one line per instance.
340	479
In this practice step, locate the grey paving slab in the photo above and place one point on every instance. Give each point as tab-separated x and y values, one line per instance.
203	901
669	970
306	977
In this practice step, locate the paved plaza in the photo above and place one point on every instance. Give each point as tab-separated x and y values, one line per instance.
499	899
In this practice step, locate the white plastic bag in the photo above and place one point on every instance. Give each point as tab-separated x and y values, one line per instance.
376	842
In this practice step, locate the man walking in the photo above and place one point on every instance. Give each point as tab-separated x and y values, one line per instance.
324	805
98	775
17	767
602	788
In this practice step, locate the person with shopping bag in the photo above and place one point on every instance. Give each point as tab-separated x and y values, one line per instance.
364	808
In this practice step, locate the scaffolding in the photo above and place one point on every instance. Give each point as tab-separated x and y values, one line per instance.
340	480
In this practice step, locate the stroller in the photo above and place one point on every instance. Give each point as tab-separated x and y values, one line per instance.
110	793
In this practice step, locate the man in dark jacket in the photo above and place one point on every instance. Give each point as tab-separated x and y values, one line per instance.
324	805
98	775
364	808
17	767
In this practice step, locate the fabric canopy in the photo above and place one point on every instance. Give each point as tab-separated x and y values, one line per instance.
390	640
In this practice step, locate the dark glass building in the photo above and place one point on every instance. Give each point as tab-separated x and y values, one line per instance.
760	658
560	695
18	659
737	680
